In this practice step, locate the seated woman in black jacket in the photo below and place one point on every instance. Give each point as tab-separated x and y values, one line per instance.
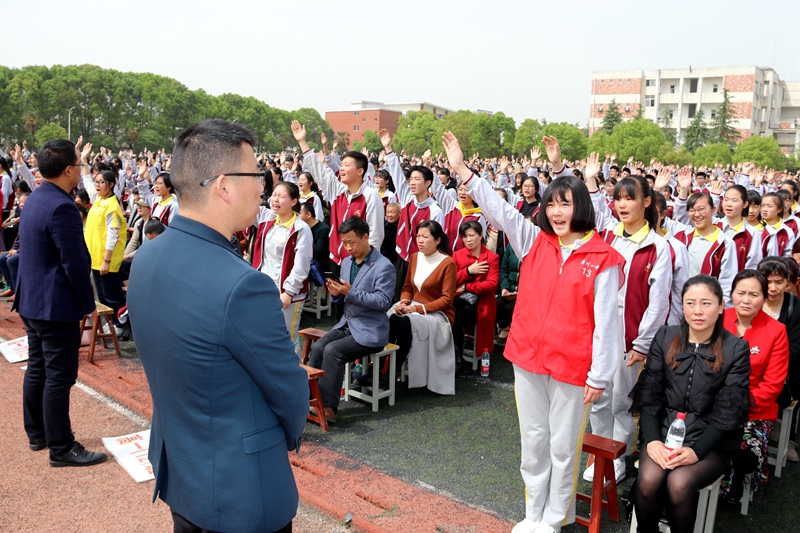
700	369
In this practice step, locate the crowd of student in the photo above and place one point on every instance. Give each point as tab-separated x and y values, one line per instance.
675	287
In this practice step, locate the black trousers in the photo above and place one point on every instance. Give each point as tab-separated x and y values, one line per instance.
466	318
336	349
505	311
109	290
181	525
400	333
52	371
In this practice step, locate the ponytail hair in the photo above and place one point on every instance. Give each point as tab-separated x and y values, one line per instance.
637	187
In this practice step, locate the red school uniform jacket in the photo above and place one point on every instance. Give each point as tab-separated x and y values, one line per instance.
484	286
551	333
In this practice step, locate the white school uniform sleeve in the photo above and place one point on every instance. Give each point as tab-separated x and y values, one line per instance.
88	184
679	213
605	338
504	217
318	211
332	159
26	175
375	216
728	269
787	251
288	176
445	200
401	189
603	218
303	250
173	211
754	255
146	194
680	275
328	184
660	283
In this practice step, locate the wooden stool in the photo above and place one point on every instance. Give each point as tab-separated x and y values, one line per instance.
605	482
101	312
317	300
472	356
316	399
310	335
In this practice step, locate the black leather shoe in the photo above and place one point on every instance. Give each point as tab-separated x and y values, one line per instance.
37	444
78	456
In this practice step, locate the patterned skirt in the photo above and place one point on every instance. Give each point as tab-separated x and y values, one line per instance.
756	441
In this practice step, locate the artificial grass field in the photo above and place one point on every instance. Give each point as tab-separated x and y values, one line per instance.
466	447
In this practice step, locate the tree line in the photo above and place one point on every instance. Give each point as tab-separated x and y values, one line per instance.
130	110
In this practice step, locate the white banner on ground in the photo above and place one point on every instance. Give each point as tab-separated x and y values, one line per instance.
15	350
131	452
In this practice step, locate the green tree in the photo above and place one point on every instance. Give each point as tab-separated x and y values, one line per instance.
570	137
460	123
793	162
611	118
342	139
666	127
639	138
763	151
598	142
524	138
49	132
697	134
416	133
670	156
371	141
713	153
722	130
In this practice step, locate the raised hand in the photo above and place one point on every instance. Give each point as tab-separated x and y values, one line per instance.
662	180
553	153
79	142
86	151
716	187
455	156
504	165
536	154
320	156
685	181
591	171
386	139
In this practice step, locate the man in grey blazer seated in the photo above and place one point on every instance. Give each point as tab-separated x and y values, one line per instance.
229	395
366	286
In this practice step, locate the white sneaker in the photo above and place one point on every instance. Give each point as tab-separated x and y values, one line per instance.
544	527
526	526
588	474
791	452
619	469
106	330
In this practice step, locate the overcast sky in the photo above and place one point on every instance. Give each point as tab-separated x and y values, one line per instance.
526	58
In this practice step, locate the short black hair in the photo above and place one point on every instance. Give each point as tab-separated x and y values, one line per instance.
794	187
167	181
773	265
109	176
696	197
360	159
638	188
308	208
154	226
358	225
582	208
83	196
436	231
207	149
445	171
55	156
750	273
427	173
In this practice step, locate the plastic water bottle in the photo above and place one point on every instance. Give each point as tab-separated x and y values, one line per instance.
485	364
676	434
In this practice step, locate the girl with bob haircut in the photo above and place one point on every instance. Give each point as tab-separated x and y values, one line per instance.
776	237
769	364
711	252
282	250
309	192
643	303
754	210
703	371
569	283
736	206
162	199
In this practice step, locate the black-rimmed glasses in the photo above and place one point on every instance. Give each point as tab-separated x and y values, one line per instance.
262	177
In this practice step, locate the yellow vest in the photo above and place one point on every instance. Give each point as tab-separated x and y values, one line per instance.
95	232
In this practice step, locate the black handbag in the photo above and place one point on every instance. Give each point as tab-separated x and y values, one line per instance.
785	398
469	297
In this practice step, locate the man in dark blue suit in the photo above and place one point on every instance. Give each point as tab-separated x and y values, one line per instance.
53	293
229	395
365	286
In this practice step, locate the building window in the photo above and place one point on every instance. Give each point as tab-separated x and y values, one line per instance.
650	83
629	80
602	81
627	107
715	88
650	101
600	107
671	114
672	89
355	128
376	120
363	120
713	114
620	81
355	113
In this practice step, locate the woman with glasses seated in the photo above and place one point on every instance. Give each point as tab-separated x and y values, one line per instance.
161	199
105	233
283	249
711	252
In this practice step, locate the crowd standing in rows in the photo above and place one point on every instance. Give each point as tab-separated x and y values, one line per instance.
648	270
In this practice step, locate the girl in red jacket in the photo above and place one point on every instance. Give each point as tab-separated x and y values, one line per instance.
564	347
769	364
478	274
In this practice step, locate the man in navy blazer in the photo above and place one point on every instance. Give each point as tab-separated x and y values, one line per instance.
229	396
366	286
54	293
